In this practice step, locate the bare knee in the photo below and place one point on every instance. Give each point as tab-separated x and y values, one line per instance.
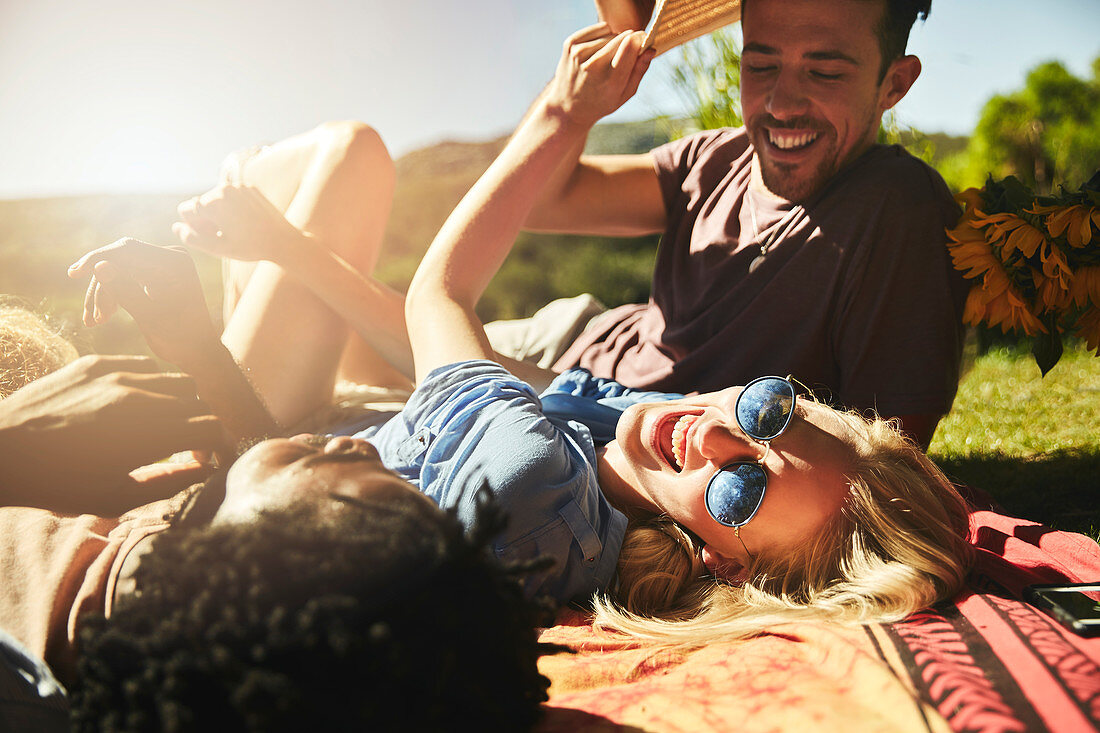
360	145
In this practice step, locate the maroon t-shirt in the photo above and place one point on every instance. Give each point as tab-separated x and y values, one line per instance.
857	293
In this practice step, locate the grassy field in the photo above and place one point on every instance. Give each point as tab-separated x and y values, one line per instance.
1031	442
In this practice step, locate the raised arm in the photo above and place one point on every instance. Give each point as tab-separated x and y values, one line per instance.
609	195
597	73
605	195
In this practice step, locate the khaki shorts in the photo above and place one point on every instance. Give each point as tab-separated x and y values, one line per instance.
544	337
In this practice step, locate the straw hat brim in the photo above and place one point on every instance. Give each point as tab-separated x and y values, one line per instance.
679	21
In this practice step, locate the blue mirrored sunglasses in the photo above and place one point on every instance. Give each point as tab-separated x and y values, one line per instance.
763	411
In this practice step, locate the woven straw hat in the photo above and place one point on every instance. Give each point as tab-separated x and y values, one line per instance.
679	21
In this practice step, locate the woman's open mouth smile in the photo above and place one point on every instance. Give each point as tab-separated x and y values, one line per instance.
670	438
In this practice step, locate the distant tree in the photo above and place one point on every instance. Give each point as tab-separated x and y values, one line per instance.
707	76
1046	134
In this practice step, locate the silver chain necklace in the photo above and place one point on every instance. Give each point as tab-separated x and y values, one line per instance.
772	232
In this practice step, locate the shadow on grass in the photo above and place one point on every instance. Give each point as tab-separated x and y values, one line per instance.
1059	489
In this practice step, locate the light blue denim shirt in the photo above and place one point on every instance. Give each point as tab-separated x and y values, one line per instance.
474	424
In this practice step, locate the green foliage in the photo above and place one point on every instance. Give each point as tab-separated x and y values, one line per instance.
544	267
1031	442
1045	134
892	132
708	79
627	138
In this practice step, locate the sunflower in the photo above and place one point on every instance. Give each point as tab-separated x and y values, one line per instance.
1075	222
1088	328
1085	287
1034	262
998	303
1044	210
970	200
1054	263
970	252
1014	234
1052	293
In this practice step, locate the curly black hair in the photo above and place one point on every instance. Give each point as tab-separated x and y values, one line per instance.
385	617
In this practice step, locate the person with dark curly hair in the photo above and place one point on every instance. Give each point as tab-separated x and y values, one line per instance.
346	614
352	602
356	603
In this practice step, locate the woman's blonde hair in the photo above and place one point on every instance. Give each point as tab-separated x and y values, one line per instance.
898	544
29	347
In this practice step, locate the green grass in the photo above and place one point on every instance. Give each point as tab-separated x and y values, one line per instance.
1031	442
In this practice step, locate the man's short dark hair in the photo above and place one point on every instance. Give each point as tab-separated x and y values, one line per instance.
386	616
898	18
893	30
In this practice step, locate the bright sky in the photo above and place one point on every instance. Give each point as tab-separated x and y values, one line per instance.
145	95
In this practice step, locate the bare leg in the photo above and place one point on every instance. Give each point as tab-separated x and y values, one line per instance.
279	172
337	182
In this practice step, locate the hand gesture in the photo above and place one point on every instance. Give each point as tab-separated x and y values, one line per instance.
69	440
160	288
236	222
598	72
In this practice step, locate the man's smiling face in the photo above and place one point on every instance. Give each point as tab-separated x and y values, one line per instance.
811	93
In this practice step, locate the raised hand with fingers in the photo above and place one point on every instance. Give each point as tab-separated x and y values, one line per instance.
69	440
160	288
598	72
236	222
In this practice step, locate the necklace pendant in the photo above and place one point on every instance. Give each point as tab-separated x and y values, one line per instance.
756	262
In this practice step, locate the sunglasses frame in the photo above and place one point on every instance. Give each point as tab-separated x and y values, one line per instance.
759	463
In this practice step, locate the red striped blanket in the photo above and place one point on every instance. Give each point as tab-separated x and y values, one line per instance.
985	661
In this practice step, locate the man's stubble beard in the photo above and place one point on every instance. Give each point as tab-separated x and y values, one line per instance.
801	189
795	189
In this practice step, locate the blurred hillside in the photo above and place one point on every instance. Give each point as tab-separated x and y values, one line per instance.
934	148
40	238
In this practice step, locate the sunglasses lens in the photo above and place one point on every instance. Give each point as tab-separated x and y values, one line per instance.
734	493
764	407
